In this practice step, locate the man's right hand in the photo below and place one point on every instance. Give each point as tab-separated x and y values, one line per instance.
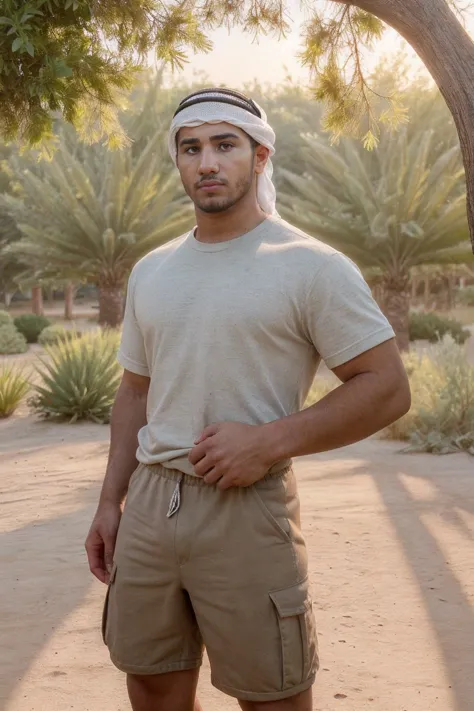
100	542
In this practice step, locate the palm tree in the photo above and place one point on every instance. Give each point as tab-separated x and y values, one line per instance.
390	210
91	213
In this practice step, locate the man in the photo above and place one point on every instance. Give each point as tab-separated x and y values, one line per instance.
224	330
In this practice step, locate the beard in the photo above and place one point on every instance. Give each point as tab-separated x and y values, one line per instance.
215	205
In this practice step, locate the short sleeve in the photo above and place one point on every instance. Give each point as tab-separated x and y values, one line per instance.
342	317
131	354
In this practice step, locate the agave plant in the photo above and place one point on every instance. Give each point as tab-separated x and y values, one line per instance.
91	213
396	208
13	387
79	378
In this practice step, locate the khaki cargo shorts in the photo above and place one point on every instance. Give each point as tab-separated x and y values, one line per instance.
195	566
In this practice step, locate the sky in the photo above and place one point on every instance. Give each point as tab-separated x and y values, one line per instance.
236	60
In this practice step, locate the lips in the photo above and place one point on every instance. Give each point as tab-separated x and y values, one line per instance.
209	185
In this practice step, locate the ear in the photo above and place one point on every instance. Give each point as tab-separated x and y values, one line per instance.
262	155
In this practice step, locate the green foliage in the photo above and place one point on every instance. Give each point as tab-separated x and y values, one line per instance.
79	378
31	325
52	334
398	207
11	340
13	387
5	319
76	56
466	295
441	419
432	327
90	213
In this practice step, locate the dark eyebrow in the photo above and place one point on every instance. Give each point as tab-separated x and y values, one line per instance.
218	137
223	136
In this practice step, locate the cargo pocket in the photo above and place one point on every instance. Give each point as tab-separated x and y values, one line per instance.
299	647
106	602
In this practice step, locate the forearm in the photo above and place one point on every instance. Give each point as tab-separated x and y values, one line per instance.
128	417
355	410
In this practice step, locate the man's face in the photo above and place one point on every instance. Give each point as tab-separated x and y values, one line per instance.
218	165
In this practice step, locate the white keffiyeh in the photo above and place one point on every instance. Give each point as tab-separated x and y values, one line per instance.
257	128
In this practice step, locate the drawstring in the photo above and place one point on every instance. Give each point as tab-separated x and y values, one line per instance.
175	501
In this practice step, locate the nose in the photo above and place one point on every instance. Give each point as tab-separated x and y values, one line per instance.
208	164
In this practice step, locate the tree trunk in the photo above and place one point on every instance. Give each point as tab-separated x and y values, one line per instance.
447	51
37	301
69	301
111	305
50	295
397	308
7	298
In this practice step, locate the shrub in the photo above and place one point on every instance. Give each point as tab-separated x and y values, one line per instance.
321	386
466	295
5	318
441	419
55	333
31	325
79	379
431	327
11	340
13	387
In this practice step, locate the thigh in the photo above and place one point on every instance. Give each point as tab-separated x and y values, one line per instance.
300	702
250	592
149	625
173	691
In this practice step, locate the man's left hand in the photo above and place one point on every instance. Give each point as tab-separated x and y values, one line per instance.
231	454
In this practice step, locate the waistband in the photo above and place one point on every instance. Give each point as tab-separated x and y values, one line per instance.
189	480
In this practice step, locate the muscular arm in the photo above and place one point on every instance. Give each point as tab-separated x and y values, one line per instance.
128	417
374	393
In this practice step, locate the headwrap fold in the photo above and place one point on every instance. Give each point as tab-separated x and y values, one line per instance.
226	106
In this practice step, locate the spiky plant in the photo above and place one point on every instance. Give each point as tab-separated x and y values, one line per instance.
91	213
391	210
78	378
13	387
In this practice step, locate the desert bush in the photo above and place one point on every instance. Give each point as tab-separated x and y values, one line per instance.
79	378
11	340
55	333
13	387
432	327
31	325
466	295
5	318
441	419
321	386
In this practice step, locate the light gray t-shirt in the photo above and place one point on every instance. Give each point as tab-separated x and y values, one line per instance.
235	331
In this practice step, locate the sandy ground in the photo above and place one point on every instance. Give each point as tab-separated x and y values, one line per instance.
390	541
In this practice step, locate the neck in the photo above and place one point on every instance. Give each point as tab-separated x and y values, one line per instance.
223	226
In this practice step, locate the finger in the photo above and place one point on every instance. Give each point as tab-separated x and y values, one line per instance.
95	555
208	431
101	575
204	466
109	555
197	453
213	476
225	483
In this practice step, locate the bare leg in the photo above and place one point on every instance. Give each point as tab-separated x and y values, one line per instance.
174	691
300	702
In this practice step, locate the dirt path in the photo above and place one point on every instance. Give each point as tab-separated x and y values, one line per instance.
390	540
